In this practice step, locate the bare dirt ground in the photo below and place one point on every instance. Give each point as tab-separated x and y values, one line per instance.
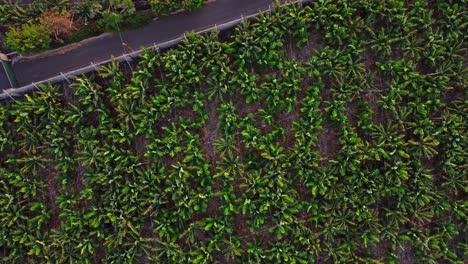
209	133
303	54
51	195
328	143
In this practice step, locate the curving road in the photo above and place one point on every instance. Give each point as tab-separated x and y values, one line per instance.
47	65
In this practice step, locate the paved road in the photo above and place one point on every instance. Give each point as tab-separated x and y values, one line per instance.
163	29
3	78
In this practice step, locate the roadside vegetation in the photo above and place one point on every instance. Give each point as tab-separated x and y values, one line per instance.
329	133
38	25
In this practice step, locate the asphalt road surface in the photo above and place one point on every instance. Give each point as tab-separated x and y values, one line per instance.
4	83
221	11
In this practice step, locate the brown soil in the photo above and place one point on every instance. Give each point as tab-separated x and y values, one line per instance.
303	54
381	250
215	203
286	120
243	109
305	194
265	236
406	255
352	112
368	58
140	147
209	132
99	252
186	112
51	196
241	229
79	185
378	116
69	96
328	143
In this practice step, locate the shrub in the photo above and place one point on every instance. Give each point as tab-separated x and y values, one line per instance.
191	5
112	21
28	38
88	11
123	6
136	20
164	7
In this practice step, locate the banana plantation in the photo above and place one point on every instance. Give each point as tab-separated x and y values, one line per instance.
334	132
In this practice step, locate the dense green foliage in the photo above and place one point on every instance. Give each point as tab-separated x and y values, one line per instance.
165	7
30	37
112	21
18	13
330	133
